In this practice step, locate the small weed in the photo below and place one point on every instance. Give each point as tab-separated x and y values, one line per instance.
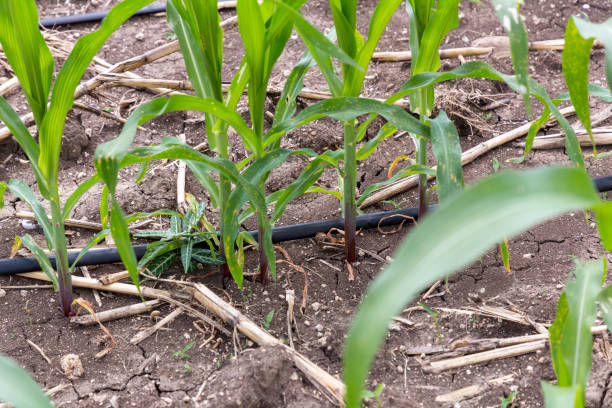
183	353
269	317
13	335
487	116
393	203
367	394
218	364
187	369
434	315
496	164
170	36
508	401
27	310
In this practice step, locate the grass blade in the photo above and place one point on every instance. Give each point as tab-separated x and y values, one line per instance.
121	235
18	388
42	258
27	52
601	31
455	234
446	147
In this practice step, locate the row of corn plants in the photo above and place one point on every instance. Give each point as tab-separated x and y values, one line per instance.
443	242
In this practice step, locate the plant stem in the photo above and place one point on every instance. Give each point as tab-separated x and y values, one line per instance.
64	277
350	184
225	187
261	233
422	160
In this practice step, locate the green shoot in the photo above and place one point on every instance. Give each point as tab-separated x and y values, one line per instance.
182	354
269	317
367	394
509	400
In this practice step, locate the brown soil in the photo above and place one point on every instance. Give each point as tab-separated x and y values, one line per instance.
151	375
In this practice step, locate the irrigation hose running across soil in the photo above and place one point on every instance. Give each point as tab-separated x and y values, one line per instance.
279	234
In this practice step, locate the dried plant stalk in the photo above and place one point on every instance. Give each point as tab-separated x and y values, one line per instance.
473	390
148	332
117	313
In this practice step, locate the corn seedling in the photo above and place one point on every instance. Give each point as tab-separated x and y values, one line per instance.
571	341
18	388
32	62
269	317
454	235
182	354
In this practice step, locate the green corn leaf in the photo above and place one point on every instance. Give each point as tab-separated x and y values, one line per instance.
427	59
446	147
451	237
121	236
560	397
601	31
18	388
576	337
76	195
555	334
505	254
604	217
67	80
605	304
104	207
27	52
378	22
153	234
202	173
347	108
3	187
109	155
575	62
99	237
186	252
142	172
321	190
42	258
508	14
405	172
533	131
370	146
161	263
23	191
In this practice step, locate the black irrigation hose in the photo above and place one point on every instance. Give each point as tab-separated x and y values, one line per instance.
279	234
95	16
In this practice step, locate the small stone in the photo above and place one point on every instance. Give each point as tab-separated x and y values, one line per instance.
140	36
395	327
527	256
319	334
529	368
267	299
294	376
265	293
2	293
319	327
186	399
307	323
71	366
315	306
559	286
322	341
23	293
400	369
482	290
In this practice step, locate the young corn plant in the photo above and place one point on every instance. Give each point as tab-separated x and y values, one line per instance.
456	234
32	62
18	388
195	23
570	338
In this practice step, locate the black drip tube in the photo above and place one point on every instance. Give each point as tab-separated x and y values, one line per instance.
279	234
95	16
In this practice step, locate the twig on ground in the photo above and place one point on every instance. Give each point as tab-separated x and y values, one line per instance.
86	274
70	222
113	277
473	390
117	313
40	351
146	333
467	157
290	298
600	136
27	287
431	289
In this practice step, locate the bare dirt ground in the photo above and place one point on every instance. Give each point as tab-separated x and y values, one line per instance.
154	374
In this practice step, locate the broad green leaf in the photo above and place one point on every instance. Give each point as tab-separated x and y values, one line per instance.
560	397
41	257
555	334
161	263
18	388
602	32
575	62
347	108
23	191
446	147
157	250
121	236
451	237
508	14
186	252
27	52
576	338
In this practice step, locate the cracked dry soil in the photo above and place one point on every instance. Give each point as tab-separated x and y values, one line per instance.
151	374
